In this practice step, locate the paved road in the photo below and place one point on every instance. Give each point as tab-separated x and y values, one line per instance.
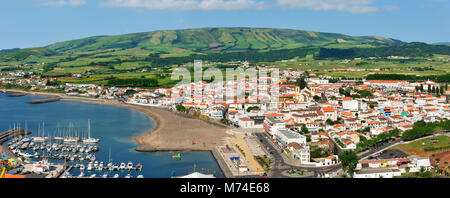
396	142
279	165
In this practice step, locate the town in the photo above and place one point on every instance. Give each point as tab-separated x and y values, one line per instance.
297	124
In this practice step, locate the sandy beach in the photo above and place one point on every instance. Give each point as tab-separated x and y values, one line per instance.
171	133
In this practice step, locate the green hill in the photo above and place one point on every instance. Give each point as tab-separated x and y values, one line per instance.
206	40
130	54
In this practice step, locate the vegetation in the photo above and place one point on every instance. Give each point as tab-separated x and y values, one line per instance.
252	108
349	160
180	108
438	78
383	137
421	129
414	49
133	82
264	161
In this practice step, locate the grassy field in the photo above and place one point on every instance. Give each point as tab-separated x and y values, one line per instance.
420	147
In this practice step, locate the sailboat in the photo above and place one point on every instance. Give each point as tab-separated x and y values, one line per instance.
90	140
40	137
71	139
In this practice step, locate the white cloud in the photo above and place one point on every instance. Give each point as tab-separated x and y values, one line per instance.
64	3
352	6
186	4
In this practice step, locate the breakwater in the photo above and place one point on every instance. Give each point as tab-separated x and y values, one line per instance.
40	101
16	94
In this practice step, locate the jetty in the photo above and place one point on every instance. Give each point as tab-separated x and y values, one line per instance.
16	94
6	135
40	101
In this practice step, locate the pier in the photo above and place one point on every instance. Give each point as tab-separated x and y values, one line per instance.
40	101
6	135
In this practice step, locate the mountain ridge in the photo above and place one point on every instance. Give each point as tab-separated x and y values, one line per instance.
213	39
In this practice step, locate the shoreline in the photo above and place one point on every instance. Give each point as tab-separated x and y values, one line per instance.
171	133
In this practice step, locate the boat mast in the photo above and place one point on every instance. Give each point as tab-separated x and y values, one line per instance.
89	129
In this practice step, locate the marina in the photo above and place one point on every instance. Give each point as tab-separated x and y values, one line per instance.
111	129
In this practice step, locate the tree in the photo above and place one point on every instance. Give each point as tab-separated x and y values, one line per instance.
349	160
317	98
329	121
301	83
252	108
304	129
180	108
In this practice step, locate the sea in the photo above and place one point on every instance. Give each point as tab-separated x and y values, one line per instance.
116	127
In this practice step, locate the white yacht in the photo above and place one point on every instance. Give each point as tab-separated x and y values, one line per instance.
105	175
89	139
130	165
122	166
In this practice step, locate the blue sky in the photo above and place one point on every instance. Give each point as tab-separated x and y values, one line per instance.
35	23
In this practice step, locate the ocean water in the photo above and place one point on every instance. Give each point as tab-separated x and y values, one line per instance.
115	126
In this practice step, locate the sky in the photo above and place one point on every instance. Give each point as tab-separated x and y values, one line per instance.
37	23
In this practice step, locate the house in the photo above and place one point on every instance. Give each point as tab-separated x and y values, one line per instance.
330	113
300	152
271	125
349	104
286	137
246	122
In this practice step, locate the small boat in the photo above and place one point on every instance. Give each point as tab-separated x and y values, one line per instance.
122	166
81	175
36	155
82	167
177	156
93	176
90	167
130	165
71	140
116	176
105	175
140	176
139	166
128	176
27	155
